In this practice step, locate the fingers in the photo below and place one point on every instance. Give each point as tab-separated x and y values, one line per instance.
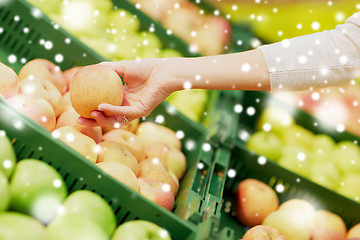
128	111
88	122
118	67
99	119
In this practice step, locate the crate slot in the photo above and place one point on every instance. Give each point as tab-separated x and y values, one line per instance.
6	15
125	217
83	187
117	210
70	188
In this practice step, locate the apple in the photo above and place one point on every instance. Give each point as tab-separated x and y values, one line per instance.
70	118
65	103
7	155
93	85
112	151
92	206
16	226
121	173
48	6
347	156
140	229
37	189
153	168
354	232
254	200
75	226
128	140
326	171
79	142
69	74
266	144
169	52
128	45
326	233
157	192
122	20
323	142
40	87
170	156
43	68
149	42
35	108
289	224
149	132
295	158
9	82
132	126
349	186
4	193
262	232
276	118
329	220
300	208
297	135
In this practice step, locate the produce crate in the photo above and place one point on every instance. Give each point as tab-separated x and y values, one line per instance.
239	163
27	34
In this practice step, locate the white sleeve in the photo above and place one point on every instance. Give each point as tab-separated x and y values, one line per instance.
316	60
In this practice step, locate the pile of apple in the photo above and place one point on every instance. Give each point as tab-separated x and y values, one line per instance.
314	156
144	156
257	207
196	28
35	205
113	33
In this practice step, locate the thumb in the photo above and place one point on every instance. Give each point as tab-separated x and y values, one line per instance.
118	67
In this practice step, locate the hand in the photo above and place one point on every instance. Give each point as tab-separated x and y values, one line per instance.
147	84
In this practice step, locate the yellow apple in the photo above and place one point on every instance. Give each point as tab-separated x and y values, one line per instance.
93	85
262	232
354	232
326	219
326	233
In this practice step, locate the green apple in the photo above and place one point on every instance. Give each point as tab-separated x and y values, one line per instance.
37	189
168	53
7	155
128	45
18	226
278	119
123	21
140	230
92	206
4	193
322	149
75	226
48	6
266	144
347	157
149	40
349	186
297	135
295	158
325	173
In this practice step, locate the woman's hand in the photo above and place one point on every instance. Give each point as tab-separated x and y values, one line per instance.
147	83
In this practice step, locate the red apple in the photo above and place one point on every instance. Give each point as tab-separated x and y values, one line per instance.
129	140
170	156
262	232
9	82
326	234
36	108
153	168
41	87
93	85
157	192
44	69
149	133
254	201
111	151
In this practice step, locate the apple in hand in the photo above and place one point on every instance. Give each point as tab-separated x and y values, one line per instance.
150	132
16	226
262	232
111	151
43	68
329	220
4	193
354	232
129	140
75	226
254	200
326	233
170	156
35	108
266	144
91	206
121	173
77	141
7	155
70	118
40	87
93	85
157	192
9	82
140	229
37	189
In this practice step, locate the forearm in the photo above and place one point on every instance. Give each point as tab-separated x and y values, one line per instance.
236	71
